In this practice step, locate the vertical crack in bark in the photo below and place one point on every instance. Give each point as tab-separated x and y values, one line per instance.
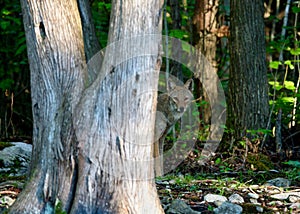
74	181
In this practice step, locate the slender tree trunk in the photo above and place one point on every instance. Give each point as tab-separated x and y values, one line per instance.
205	39
92	147
176	67
248	92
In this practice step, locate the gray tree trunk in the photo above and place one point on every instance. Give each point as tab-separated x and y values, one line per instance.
92	146
248	90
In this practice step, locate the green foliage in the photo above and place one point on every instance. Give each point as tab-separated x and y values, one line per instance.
293	174
259	162
224	166
101	15
4	145
59	208
12	45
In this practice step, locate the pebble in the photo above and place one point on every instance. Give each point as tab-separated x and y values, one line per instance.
236	199
253	195
259	209
211	198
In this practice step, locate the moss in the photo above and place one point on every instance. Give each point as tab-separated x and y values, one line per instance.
5	144
260	162
59	207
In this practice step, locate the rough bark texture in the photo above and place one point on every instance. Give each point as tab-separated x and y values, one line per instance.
57	64
205	39
92	147
248	92
91	45
115	119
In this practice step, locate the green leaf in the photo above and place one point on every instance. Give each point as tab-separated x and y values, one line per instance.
180	34
218	161
275	64
20	50
276	85
289	85
288	99
296	9
289	63
295	51
4	24
6	83
293	163
5	12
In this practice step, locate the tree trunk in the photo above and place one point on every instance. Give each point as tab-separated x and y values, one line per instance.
57	64
205	38
207	84
92	147
248	90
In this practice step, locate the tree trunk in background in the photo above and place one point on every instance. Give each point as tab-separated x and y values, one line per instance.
91	44
248	90
176	68
92	147
205	41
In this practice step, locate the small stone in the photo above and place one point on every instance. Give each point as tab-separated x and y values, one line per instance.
236	199
295	206
211	198
284	196
228	208
254	186
279	182
6	201
259	209
180	207
172	181
294	198
254	201
253	195
162	182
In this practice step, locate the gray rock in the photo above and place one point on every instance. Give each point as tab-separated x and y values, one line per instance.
254	201
15	159
286	195
236	199
211	198
253	195
295	206
259	209
228	208
6	201
278	182
179	207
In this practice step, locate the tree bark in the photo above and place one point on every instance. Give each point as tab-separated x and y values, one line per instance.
248	90
115	136
57	64
92	146
205	38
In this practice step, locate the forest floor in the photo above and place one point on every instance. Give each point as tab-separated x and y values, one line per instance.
225	175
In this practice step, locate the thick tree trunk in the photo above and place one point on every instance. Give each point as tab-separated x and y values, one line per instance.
92	147
248	92
116	133
57	64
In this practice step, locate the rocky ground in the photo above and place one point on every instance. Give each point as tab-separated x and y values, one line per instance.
196	191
